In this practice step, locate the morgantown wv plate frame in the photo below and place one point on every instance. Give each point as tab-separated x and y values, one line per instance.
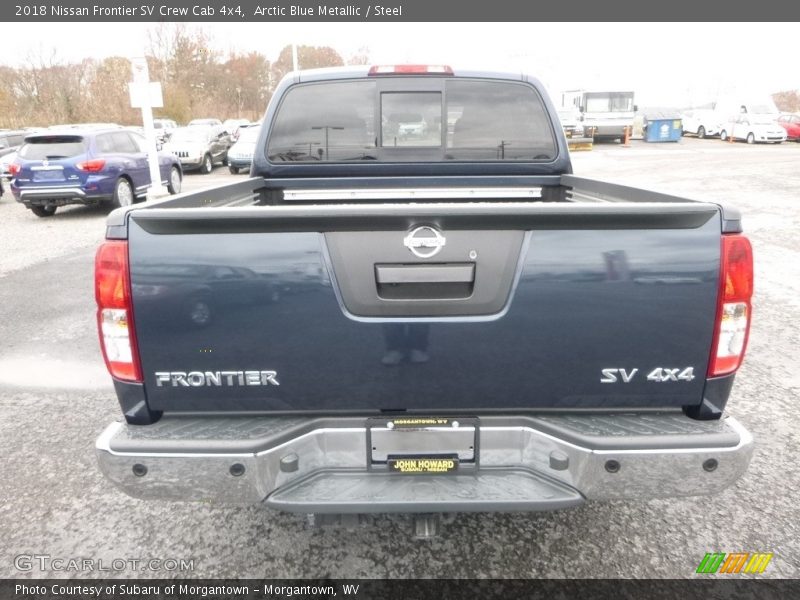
421	445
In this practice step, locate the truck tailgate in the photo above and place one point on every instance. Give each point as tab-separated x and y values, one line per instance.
425	307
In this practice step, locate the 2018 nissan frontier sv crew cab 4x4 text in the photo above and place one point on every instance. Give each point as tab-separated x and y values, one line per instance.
413	306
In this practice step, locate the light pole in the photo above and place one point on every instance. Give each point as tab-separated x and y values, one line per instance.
327	128
309	145
501	148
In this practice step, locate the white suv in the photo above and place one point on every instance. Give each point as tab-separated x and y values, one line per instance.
702	122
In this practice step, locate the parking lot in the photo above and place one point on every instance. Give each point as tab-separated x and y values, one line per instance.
56	397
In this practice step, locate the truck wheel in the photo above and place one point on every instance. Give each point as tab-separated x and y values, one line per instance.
43	211
174	185
233	170
225	160
123	193
723	135
751	139
701	132
207	165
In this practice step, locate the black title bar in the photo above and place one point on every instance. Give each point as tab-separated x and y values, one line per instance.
704	588
388	11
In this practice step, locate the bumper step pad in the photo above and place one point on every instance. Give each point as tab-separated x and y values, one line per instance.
489	490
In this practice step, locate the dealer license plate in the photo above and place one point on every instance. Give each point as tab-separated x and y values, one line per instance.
419	465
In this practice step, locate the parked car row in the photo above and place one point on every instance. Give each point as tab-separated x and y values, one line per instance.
73	165
746	126
92	163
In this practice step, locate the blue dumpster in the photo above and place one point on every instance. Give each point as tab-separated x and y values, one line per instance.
663	128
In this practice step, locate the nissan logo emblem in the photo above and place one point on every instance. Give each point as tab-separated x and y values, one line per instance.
424	242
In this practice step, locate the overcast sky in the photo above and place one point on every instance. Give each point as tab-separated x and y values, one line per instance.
666	64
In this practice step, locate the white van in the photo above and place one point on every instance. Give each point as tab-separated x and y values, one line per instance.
703	122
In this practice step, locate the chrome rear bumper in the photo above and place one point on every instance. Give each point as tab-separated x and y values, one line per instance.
53	195
320	465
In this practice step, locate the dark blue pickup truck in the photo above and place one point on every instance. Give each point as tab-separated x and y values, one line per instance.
413	305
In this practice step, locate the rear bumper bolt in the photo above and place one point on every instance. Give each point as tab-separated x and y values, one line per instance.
290	463
559	461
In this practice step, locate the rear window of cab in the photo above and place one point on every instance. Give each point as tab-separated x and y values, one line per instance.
457	120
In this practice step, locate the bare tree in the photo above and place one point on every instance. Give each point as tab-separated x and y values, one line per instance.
360	57
308	57
245	88
109	100
788	101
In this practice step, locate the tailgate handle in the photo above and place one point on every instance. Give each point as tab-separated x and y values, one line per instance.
438	273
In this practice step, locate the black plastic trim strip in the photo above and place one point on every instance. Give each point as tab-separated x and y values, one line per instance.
500	215
132	399
614	192
160	438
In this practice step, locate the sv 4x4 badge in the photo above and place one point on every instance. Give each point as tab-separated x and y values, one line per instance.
659	375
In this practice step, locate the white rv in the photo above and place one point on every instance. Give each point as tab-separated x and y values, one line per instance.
606	113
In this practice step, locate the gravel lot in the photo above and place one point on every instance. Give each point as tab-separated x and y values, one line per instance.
55	398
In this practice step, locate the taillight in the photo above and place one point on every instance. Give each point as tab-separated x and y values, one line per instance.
112	286
92	166
733	309
410	70
14	168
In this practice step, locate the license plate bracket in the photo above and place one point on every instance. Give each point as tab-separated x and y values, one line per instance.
421	444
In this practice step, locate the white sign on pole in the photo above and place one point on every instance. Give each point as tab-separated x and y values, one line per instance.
146	94
140	71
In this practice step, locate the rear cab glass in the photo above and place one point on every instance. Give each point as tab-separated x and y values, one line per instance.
412	119
53	147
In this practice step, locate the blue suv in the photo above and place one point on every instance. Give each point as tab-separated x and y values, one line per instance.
56	168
